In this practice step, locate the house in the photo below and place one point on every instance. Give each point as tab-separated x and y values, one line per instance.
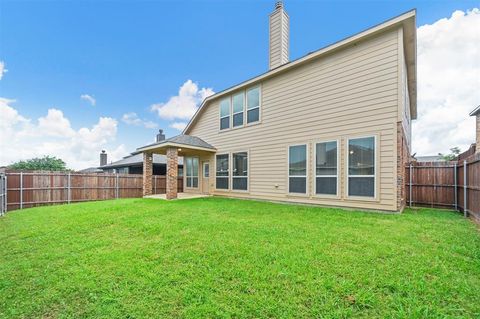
476	113
330	128
133	163
430	158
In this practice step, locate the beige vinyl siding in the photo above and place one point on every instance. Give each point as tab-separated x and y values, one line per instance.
279	37
350	93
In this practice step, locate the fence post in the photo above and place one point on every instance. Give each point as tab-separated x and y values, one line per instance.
69	196
116	185
21	190
465	213
6	194
455	185
410	185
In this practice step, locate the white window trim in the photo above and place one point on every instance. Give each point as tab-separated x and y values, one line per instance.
248	173
192	176
227	177
375	169
337	195
259	107
230	120
307	163
242	111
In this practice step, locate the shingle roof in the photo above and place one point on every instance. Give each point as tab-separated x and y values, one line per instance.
475	111
183	139
137	159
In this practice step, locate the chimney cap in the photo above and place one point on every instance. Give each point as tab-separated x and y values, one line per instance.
278	5
103	151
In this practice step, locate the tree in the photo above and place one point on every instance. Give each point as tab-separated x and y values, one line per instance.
452	156
46	163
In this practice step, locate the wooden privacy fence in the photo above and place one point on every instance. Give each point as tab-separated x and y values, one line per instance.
453	185
29	189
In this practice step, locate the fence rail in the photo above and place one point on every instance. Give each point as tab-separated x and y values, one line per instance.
446	184
28	189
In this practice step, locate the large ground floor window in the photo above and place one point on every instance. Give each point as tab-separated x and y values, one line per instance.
240	171
326	162
297	169
192	171
222	164
361	167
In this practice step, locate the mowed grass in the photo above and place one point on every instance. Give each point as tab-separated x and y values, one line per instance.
225	258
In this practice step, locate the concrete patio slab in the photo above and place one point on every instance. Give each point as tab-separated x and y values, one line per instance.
180	196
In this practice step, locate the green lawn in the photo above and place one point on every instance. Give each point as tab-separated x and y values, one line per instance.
224	258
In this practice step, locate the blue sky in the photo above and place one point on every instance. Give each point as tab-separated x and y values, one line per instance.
129	55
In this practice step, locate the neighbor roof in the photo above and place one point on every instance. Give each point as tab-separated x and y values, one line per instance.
407	20
475	111
137	159
179	141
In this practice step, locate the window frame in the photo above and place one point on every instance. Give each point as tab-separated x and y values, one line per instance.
307	163
248	173
243	93
375	169
185	172
220	117
227	177
259	107
337	195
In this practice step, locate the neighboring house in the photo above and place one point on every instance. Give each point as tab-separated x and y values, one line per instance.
429	158
330	128
476	113
133	164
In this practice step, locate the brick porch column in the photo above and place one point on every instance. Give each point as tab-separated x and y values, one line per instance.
147	173
172	172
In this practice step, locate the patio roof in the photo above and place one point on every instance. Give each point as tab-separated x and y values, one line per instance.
186	144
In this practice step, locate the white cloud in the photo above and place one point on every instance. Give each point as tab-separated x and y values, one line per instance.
178	125
2	69
133	119
183	105
90	99
448	83
52	134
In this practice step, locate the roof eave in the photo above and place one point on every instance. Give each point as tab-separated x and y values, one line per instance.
476	111
396	21
172	144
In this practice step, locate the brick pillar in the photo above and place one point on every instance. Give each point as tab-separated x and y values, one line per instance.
147	173
172	172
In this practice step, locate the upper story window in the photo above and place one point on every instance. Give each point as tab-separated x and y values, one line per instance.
238	107
253	105
361	167
225	114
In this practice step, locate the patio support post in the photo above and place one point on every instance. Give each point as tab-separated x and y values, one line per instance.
172	172
147	173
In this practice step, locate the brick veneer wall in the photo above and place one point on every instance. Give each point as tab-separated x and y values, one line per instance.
403	157
172	172
147	173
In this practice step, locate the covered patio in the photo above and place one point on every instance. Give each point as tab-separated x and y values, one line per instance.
180	145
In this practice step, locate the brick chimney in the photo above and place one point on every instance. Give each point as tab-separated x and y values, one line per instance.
160	136
279	37
103	158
